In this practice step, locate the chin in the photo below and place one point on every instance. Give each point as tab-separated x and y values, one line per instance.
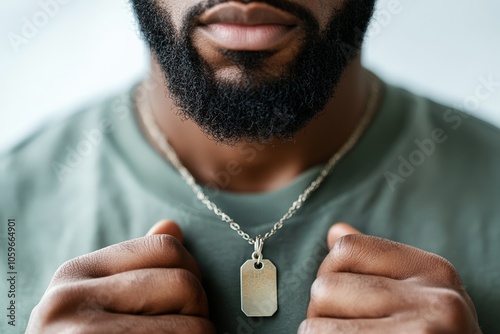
242	66
246	78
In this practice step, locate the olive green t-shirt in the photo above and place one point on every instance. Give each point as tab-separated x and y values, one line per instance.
422	174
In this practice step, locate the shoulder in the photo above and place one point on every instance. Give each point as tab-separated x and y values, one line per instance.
43	159
425	119
440	146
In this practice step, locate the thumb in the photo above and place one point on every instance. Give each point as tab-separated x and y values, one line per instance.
337	231
166	226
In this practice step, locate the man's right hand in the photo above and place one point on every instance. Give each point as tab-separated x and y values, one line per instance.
147	285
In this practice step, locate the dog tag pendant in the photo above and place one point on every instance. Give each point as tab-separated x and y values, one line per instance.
259	292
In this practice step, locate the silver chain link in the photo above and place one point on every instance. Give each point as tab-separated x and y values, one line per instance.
168	151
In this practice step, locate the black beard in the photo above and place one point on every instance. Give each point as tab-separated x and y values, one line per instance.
258	108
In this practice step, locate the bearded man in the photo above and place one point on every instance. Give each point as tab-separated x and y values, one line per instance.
256	134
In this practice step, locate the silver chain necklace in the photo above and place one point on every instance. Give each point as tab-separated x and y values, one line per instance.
258	276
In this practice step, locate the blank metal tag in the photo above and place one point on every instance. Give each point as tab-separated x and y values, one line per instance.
259	293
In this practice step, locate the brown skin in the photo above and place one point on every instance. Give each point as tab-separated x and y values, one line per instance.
366	284
279	162
372	285
122	289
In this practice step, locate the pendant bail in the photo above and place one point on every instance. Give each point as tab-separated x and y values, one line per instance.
258	246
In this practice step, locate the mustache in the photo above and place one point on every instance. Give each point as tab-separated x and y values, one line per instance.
285	5
302	13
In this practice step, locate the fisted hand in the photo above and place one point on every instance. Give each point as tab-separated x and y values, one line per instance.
147	285
372	285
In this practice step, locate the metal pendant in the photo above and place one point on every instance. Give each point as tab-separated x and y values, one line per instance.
259	292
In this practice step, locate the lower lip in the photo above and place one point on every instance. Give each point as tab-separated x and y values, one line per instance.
247	37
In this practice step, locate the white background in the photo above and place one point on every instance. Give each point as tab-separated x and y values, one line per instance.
81	50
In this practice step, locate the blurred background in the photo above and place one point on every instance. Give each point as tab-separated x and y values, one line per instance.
58	55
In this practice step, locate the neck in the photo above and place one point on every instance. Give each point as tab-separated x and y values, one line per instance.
255	167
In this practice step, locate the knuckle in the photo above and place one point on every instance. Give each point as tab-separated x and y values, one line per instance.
452	300
165	244
62	295
190	287
321	289
307	326
56	302
448	273
75	329
69	270
450	308
318	288
184	277
304	327
344	247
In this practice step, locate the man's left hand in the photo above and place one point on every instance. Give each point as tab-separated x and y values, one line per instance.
373	285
